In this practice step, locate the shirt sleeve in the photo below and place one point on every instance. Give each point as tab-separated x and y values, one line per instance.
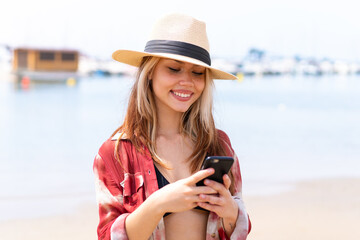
243	224
215	228
112	214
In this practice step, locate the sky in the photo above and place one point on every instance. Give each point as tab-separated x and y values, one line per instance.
307	28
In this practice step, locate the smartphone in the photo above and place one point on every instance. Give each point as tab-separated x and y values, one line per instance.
221	165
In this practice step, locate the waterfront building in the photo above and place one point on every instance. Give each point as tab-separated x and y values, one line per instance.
45	64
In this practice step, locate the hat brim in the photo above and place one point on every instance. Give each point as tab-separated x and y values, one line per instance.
134	58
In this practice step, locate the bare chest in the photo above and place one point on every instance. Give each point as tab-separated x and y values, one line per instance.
174	153
190	225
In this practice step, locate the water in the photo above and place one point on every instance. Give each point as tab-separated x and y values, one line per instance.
291	129
284	129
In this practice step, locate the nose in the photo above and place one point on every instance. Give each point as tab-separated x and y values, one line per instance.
186	79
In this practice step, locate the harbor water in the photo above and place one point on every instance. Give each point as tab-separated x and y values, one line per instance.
284	129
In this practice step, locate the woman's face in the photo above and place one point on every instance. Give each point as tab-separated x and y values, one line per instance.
177	85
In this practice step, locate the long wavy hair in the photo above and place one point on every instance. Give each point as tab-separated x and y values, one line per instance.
197	123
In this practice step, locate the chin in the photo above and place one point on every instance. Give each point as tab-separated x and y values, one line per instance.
181	109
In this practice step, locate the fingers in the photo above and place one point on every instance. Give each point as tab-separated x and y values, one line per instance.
204	190
216	202
209	207
227	181
196	177
212	199
223	189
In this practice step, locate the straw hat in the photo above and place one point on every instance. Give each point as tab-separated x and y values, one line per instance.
179	37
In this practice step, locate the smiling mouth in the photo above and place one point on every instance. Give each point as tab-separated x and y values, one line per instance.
183	95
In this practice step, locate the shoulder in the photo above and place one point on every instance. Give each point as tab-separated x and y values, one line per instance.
225	141
116	143
108	160
109	145
223	136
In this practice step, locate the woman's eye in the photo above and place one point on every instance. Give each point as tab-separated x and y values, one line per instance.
198	73
174	69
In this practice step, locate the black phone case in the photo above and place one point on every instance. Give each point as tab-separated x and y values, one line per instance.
221	165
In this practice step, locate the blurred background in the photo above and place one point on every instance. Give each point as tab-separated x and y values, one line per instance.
293	116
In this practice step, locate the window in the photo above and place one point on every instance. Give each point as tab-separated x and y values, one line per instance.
47	56
68	56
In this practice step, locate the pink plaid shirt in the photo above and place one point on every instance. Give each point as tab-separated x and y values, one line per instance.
119	193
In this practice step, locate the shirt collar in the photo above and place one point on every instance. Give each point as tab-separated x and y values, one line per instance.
118	135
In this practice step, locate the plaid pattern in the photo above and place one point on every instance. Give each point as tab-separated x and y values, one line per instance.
120	192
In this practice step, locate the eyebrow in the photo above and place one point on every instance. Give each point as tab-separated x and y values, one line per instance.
184	63
178	61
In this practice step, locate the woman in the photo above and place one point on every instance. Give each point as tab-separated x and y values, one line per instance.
146	173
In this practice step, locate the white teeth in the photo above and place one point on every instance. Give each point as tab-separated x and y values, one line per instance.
182	94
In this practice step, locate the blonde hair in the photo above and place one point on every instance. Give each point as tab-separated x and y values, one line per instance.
140	123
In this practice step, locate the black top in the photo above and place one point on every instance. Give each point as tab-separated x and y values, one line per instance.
162	181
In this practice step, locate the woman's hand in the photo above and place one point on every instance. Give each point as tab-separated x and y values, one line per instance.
183	195
222	203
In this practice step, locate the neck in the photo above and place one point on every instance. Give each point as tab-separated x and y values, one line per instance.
168	122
